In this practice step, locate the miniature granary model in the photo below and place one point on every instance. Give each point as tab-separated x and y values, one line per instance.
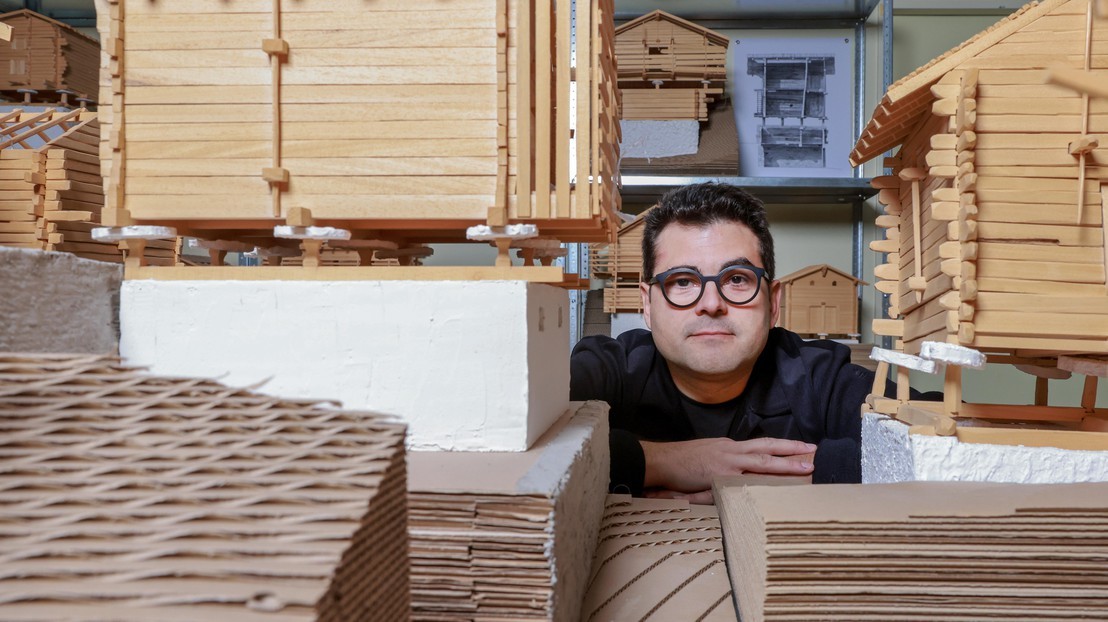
820	301
47	60
394	121
995	212
51	193
621	264
669	68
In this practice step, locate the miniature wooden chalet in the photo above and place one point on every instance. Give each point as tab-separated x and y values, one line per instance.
669	68
820	301
995	212
621	264
47	56
51	192
394	121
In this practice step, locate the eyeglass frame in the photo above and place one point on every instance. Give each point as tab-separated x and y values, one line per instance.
704	280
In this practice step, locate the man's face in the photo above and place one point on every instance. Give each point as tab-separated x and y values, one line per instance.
713	339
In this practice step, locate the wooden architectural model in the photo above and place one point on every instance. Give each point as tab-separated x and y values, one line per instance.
621	264
51	192
995	212
388	120
820	301
669	68
47	56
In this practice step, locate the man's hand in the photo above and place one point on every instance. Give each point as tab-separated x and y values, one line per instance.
690	466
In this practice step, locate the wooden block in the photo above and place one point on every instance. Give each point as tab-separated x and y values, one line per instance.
891	328
945	194
299	217
882	182
275	47
275	175
497	217
1083	145
915	415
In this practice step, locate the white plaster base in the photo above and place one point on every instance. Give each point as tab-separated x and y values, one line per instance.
57	302
468	365
623	322
658	139
890	454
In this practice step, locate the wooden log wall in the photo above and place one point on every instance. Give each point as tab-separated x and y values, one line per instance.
668	104
51	196
46	55
395	116
1008	243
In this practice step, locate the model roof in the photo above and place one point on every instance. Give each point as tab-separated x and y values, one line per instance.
659	15
905	100
822	269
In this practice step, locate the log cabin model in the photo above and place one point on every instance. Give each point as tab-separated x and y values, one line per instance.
995	222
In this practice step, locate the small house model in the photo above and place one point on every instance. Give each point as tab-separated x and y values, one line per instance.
621	264
51	192
995	212
669	68
49	57
820	301
393	121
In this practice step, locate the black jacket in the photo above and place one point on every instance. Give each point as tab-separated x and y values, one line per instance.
799	390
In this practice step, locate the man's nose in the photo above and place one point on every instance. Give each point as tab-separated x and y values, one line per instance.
711	302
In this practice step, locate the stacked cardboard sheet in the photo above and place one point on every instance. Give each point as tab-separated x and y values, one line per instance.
658	560
917	551
509	536
125	496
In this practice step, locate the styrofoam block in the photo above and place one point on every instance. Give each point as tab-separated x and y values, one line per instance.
57	302
890	454
900	359
952	354
658	139
468	365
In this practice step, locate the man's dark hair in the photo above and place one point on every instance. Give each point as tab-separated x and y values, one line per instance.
699	205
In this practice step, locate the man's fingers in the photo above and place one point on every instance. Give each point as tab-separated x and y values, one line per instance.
704	497
774	446
771	465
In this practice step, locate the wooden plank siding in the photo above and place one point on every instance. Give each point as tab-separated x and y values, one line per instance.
395	113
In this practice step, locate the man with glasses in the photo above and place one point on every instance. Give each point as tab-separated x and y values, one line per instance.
713	388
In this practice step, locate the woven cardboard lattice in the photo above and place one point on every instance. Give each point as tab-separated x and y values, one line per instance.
126	496
658	559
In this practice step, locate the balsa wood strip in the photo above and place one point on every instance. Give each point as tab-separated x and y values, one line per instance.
543	99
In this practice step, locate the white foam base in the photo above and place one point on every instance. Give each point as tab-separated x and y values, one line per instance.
468	365
658	139
890	454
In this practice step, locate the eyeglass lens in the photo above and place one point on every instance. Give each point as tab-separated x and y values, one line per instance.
737	285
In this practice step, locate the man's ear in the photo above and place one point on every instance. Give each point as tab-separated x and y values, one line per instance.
775	302
644	292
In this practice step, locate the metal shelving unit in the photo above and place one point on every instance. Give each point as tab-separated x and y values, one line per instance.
797	15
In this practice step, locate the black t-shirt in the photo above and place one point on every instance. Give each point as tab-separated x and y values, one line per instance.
800	390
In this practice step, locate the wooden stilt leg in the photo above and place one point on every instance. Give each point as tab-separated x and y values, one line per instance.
311	250
903	385
502	257
952	390
1042	389
879	379
1088	395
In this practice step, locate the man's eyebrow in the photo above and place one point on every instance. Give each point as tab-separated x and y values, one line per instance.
683	267
739	261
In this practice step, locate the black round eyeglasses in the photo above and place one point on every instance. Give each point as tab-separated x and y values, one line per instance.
683	287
